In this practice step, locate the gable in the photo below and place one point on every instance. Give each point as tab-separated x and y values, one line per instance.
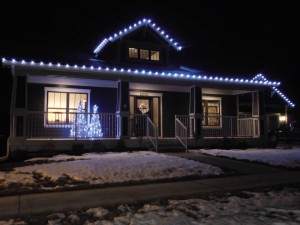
133	28
260	77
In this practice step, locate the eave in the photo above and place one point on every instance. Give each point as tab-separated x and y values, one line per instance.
147	76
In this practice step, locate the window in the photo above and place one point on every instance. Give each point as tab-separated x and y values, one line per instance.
154	55
61	105
133	53
143	54
211	112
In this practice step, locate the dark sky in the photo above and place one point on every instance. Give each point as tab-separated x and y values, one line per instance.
236	38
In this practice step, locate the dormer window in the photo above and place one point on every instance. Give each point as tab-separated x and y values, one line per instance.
154	55
133	53
144	54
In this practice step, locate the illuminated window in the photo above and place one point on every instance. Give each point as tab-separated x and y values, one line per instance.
144	54
154	55
133	53
211	113
61	105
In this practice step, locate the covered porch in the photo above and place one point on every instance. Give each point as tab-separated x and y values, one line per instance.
142	132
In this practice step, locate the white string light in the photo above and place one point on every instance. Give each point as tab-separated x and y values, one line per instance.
133	27
219	79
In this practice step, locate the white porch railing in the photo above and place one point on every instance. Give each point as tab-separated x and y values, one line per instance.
228	126
152	133
248	127
55	125
181	133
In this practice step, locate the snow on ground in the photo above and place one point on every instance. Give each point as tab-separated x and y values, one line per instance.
289	158
93	168
278	207
261	208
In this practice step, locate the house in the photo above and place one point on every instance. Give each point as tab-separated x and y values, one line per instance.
133	91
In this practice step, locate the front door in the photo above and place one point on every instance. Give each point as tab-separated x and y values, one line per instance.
143	107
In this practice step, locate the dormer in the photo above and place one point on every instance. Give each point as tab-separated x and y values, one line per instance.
141	44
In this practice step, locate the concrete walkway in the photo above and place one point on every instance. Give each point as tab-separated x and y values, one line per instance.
250	176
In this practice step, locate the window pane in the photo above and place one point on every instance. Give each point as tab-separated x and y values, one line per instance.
211	113
63	100
50	99
57	100
133	53
56	116
155	55
144	54
74	100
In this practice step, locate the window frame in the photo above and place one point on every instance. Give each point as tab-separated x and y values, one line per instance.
63	90
208	99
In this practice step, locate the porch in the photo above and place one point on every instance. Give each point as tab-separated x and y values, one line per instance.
71	132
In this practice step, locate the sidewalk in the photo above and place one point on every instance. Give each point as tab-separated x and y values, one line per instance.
254	176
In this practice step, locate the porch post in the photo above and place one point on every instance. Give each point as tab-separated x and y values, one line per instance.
123	112
195	111
262	114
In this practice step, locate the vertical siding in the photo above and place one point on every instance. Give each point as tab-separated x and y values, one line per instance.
35	93
229	105
174	103
105	99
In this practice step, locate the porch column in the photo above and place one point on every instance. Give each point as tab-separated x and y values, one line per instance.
195	111
123	111
262	114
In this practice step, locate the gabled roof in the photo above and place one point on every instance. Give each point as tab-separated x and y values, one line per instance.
133	27
260	77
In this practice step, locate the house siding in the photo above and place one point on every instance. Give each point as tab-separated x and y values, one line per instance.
36	97
229	106
174	103
105	99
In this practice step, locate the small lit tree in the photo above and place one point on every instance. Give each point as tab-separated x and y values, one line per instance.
94	128
79	126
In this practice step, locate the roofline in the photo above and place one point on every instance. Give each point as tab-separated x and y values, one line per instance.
135	26
258	80
260	77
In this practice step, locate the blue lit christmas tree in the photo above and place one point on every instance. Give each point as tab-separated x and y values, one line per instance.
79	128
94	128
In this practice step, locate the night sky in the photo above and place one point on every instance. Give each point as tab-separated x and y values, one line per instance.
236	38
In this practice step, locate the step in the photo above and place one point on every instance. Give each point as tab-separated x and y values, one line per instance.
169	145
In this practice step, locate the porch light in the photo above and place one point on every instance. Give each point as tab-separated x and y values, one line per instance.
282	119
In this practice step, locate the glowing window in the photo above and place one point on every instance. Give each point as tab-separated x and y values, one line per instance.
211	113
61	105
133	53
154	55
144	54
